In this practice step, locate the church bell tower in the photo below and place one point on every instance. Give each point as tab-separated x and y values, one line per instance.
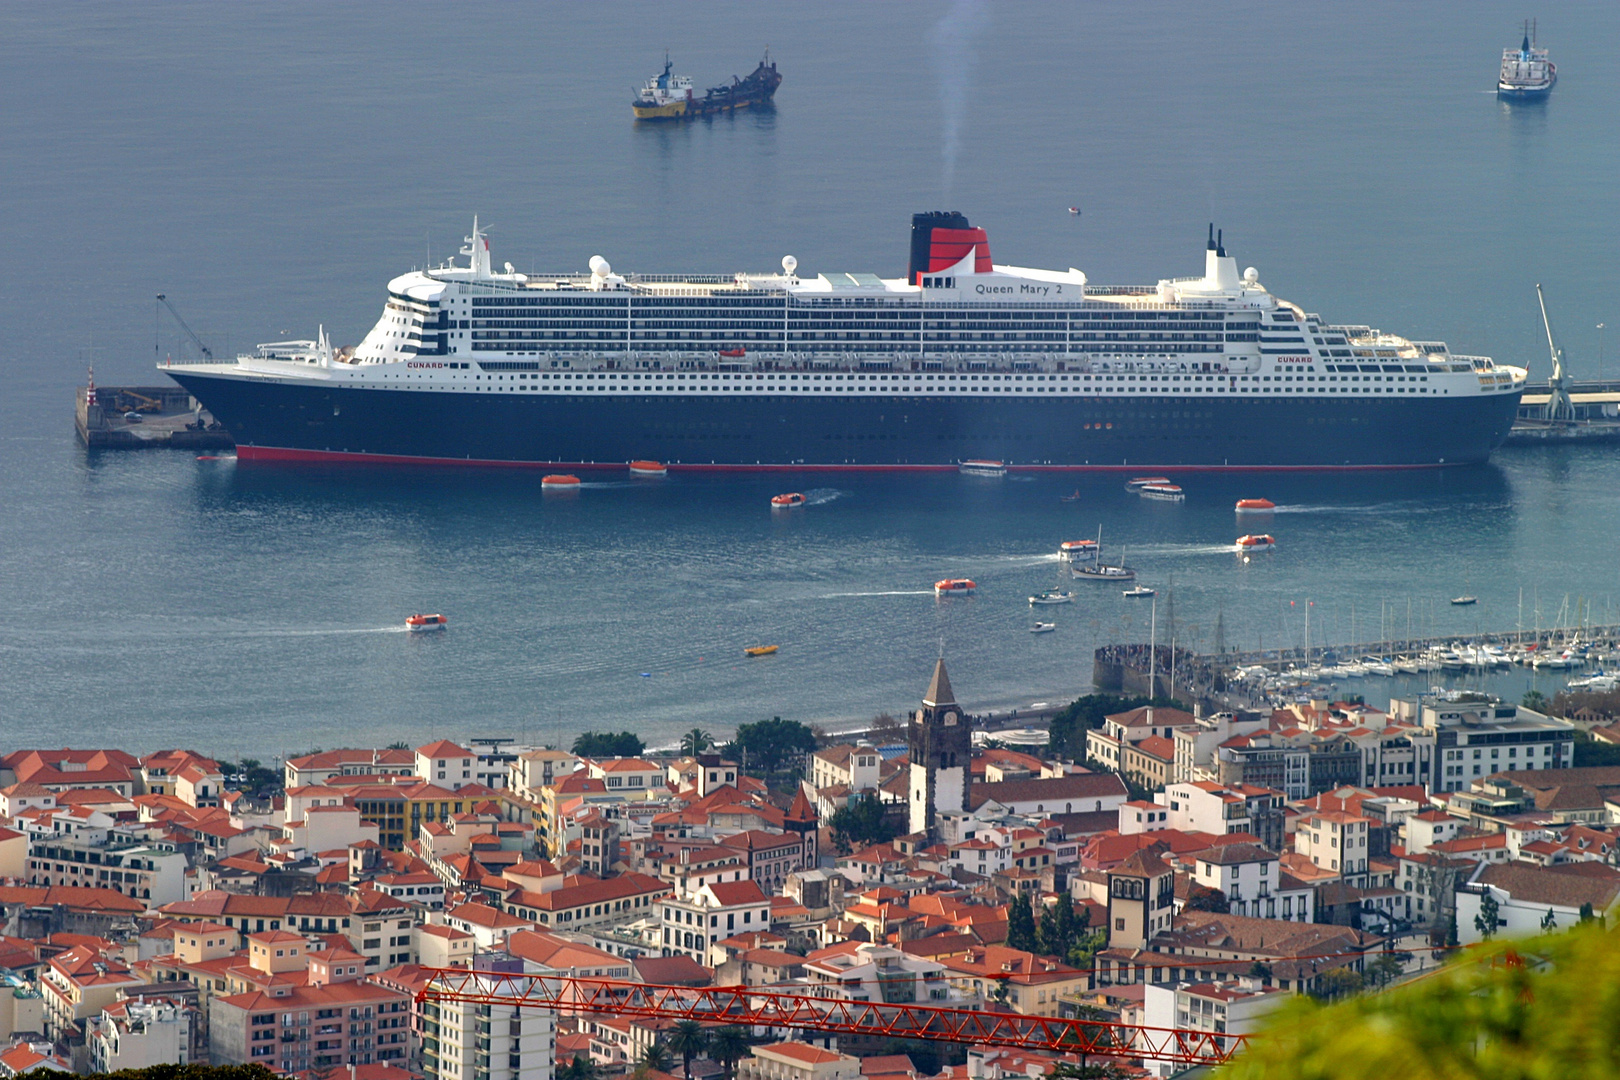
941	750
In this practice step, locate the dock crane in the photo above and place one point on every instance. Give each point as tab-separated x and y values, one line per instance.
1559	407
192	334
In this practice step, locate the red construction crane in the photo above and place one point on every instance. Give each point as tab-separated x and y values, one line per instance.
750	1007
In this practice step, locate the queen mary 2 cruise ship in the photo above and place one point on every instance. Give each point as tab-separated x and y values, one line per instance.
960	359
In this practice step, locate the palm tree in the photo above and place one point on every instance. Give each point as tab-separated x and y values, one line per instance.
696	741
581	1068
728	1046
688	1039
656	1058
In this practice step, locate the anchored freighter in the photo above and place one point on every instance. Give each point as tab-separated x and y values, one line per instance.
961	359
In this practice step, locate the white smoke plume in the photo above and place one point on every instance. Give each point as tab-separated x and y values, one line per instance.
951	43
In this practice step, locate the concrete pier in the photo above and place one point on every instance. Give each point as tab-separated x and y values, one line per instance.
144	418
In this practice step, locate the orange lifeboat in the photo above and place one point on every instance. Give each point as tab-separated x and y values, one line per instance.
954	587
1262	542
417	624
792	498
647	468
559	480
1255	506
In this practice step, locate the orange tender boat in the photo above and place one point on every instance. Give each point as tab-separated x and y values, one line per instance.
418	623
559	480
1262	542
954	587
1252	506
792	498
647	468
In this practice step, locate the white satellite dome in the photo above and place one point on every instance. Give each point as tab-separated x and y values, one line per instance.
789	264
1251	275
600	266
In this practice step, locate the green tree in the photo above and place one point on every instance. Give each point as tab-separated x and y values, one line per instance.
1539	1009
728	1046
1383	970
1587	914
1549	922
688	1039
696	741
1203	898
1535	701
655	1058
863	820
1057	929
1003	991
1338	983
1021	925
605	744
1084	953
769	744
1261	971
581	1068
1490	914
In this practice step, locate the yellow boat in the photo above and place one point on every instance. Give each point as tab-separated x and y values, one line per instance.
761	650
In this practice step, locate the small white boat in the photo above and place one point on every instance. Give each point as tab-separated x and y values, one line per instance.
1137	592
1406	665
1043	628
1052	596
1140	482
1162	492
1464	601
1377	666
982	467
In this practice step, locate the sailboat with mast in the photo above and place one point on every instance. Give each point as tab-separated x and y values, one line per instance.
1100	570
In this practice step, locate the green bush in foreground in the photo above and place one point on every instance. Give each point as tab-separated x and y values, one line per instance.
1541	1008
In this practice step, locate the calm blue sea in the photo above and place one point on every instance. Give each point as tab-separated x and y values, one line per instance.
270	166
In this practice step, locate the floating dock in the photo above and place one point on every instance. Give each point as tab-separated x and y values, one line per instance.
145	418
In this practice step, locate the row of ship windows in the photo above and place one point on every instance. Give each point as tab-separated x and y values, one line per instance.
1231	380
869	344
1032	310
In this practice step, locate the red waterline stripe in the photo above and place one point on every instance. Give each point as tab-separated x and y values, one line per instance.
285	454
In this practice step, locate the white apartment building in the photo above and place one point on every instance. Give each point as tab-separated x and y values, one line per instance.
466	1041
713	912
1231	1007
1252	879
1337	841
138	1034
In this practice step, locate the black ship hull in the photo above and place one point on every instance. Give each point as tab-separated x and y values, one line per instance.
287	420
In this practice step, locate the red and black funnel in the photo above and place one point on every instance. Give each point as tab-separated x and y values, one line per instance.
942	238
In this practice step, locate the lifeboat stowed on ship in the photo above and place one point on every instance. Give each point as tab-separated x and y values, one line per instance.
954	587
418	624
1262	542
1255	506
